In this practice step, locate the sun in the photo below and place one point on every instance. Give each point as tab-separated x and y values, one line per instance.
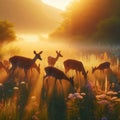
60	4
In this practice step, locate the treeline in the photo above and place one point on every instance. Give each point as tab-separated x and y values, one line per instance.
91	21
7	33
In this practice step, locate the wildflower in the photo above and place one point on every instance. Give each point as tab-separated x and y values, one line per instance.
111	93
83	94
22	83
102	96
70	96
114	98
80	97
34	117
75	95
103	102
15	88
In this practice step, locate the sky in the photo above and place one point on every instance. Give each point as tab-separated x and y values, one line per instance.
30	16
60	4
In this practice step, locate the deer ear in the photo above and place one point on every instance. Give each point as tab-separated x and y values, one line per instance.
56	51
40	52
34	52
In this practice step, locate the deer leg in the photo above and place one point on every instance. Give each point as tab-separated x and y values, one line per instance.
26	79
61	85
12	69
25	71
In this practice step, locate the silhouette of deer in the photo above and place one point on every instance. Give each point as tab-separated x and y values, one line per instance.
25	63
102	66
52	60
57	74
75	65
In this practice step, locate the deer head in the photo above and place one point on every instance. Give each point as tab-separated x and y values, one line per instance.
59	54
37	55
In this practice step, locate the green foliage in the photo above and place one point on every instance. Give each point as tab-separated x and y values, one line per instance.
109	29
7	33
86	17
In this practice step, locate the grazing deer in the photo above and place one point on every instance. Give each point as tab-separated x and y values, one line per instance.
52	60
102	66
75	65
25	63
58	74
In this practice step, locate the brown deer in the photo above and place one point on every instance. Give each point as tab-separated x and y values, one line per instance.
58	74
52	60
25	63
102	66
75	65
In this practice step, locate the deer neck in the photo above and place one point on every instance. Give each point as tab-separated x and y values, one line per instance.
57	57
34	59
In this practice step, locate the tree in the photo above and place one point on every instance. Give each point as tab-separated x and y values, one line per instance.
7	34
83	17
108	30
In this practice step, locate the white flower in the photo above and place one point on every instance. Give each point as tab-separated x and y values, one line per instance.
80	97
22	83
16	88
83	94
75	95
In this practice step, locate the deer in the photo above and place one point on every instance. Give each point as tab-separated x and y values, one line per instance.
58	75
75	65
102	66
24	62
52	60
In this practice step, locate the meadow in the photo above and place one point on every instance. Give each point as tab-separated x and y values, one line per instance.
29	97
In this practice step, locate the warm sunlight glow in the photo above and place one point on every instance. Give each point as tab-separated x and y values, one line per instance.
28	37
60	4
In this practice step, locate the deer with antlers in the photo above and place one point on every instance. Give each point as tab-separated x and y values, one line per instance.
52	60
25	63
75	65
102	66
57	74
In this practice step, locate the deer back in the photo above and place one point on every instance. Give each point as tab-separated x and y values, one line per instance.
24	62
102	66
58	74
19	61
73	64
